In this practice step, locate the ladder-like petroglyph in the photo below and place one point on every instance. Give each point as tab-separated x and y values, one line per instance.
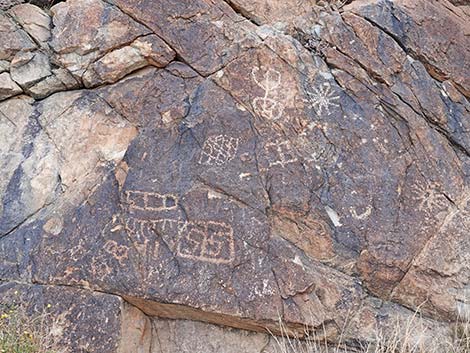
151	201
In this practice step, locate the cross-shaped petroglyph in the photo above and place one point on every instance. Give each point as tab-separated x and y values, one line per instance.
151	201
268	106
206	241
218	150
321	99
283	151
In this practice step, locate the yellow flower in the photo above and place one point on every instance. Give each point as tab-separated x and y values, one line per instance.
49	305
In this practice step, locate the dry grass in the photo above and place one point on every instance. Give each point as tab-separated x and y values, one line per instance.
402	338
22	332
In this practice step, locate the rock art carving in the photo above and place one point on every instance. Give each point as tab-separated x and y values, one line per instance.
361	216
321	99
206	241
218	150
151	201
201	240
267	106
430	198
282	151
143	237
317	150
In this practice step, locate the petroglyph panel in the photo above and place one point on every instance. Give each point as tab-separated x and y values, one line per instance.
218	150
151	201
206	241
267	106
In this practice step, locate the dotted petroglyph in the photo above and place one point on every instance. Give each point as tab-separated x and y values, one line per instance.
218	150
268	106
321	99
206	241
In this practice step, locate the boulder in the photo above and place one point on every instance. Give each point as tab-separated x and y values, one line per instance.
217	168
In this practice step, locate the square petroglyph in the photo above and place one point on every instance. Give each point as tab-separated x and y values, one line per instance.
268	106
151	201
321	99
206	241
218	150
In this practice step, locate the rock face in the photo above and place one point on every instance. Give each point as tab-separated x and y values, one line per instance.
177	175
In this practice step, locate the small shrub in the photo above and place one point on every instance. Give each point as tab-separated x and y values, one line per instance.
22	333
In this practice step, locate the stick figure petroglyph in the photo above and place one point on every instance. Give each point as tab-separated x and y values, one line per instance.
218	150
321	99
268	106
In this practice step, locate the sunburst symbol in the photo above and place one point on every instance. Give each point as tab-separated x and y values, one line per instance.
321	99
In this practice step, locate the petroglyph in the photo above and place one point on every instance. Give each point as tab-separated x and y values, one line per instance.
282	151
321	99
206	241
363	215
151	201
143	237
201	240
267	106
429	197
218	150
315	147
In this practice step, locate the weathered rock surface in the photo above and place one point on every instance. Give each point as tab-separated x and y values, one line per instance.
214	161
93	322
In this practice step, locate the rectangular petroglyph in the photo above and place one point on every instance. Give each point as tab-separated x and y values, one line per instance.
151	201
206	241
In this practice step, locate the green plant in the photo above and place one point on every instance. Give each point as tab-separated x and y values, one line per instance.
23	332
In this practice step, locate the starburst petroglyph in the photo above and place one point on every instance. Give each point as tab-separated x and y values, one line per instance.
429	197
321	99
